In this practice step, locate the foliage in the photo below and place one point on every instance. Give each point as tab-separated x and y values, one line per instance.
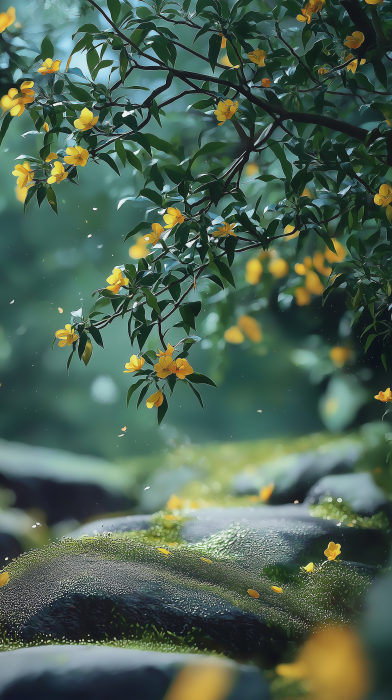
319	114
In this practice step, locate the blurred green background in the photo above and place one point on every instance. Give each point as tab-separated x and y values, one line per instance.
286	385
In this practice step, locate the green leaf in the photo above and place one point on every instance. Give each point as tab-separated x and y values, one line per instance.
151	300
152	195
6	122
369	340
230	246
278	151
380	72
88	351
114	7
133	160
121	152
224	271
142	395
196	394
109	161
162	410
95	333
47	49
133	388
208	148
214	46
71	356
140	227
51	197
143	334
197	378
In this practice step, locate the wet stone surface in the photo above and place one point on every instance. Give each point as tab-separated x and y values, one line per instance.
99	673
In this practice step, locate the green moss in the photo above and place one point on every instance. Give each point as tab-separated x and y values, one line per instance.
333	509
164	530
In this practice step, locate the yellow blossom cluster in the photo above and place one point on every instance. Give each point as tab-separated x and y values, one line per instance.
6	19
258	57
355	40
339	355
353	65
225	110
172	217
116	280
224	230
66	336
310	9
16	99
85	121
49	66
384	396
313	283
384	199
246	326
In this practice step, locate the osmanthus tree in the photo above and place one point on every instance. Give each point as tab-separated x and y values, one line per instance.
297	97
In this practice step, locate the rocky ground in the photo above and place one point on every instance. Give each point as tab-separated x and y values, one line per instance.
130	601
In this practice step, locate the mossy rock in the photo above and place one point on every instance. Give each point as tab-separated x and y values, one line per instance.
93	672
119	586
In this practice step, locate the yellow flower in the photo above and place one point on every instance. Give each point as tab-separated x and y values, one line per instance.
266	82
322	71
86	120
224	41
58	173
310	8
332	551
116	281
4	577
15	100
66	335
292	231
318	262
76	155
51	156
339	355
354	41
253	593
276	589
278	268
169	351
251	169
7	18
139	249
226	62
24	173
225	110
224	230
21	193
266	492
173	217
207	561
234	336
174	503
333	663
251	328
353	65
374	2
306	193
155	234
49	66
46	127
164	366
309	567
181	368
302	296
384	196
258	57
313	283
164	551
253	271
341	251
134	364
384	396
155	400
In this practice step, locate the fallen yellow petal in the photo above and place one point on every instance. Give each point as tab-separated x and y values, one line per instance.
253	593
4	578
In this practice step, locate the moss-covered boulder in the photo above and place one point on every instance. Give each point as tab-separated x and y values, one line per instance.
100	672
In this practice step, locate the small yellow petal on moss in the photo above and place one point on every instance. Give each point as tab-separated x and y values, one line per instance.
253	593
309	567
207	561
332	551
4	578
276	589
174	503
164	551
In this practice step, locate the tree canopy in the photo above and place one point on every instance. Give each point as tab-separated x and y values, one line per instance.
297	99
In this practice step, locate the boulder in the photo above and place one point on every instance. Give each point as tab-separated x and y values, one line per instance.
162	483
293	475
97	673
358	490
61	484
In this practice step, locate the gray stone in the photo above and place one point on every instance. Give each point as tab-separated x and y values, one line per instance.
293	475
358	490
376	629
126	523
98	673
62	484
162	484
